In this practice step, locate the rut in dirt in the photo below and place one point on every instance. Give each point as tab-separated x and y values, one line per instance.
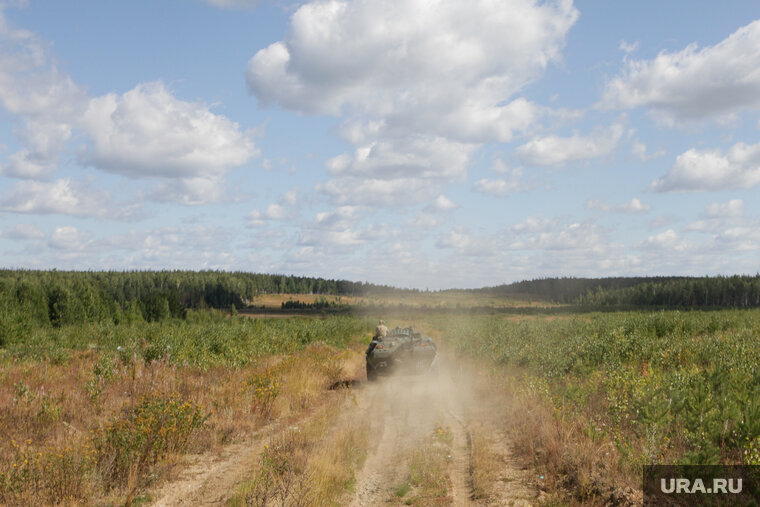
406	411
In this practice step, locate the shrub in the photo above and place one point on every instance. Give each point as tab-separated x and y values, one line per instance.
154	430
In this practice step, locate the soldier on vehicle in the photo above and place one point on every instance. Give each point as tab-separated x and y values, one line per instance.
380	331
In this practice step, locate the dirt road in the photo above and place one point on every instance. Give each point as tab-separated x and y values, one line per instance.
409	416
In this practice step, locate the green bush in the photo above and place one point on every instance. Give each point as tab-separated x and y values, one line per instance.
155	429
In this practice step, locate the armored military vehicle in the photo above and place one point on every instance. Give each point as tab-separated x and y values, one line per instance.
402	350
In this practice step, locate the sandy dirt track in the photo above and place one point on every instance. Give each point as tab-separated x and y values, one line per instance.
404	412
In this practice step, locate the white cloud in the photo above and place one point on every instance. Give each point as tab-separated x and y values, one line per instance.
553	235
628	47
556	151
190	191
497	187
148	132
338	231
69	238
144	132
44	100
709	170
384	57
666	240
441	203
22	231
66	197
425	220
501	187
419	85
639	150
378	192
285	209
732	208
424	157
693	83
342	217
534	225
467	244
455	238
633	206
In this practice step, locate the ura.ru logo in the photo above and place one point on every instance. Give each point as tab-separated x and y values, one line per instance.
720	486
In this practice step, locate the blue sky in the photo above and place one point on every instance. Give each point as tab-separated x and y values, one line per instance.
418	143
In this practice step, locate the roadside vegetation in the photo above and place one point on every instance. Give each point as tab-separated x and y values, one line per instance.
108	379
594	397
105	411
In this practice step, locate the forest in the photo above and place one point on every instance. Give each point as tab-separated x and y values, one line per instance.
56	298
665	291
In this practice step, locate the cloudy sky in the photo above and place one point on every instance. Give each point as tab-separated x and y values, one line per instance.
419	143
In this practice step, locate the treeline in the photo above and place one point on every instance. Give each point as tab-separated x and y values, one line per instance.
56	298
319	304
567	289
731	291
661	291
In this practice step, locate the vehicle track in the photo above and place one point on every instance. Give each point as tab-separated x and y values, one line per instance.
404	413
409	410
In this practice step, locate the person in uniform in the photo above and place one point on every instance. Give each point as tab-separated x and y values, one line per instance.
380	331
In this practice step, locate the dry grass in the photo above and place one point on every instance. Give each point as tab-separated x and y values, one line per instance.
427	480
313	463
485	465
58	418
430	300
571	463
276	300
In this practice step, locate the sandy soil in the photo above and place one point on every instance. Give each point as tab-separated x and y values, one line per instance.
405	411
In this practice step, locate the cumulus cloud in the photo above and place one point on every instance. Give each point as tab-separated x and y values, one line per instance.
190	191
339	230
419	85
145	132
633	206
382	57
710	170
441	203
693	83
534	225
553	235
44	100
723	220
666	240
421	156
496	187
557	151
69	238
286	208
22	231
628	47
66	197
639	150
732	208
148	132
378	192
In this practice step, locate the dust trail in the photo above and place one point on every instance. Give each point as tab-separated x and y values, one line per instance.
407	412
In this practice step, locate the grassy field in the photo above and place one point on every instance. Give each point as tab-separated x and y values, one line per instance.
596	396
103	413
418	301
99	411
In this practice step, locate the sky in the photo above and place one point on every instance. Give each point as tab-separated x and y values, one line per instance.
430	144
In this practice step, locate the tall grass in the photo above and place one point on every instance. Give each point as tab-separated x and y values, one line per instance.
620	390
96	410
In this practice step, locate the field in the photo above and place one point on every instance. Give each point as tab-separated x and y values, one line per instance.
213	408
